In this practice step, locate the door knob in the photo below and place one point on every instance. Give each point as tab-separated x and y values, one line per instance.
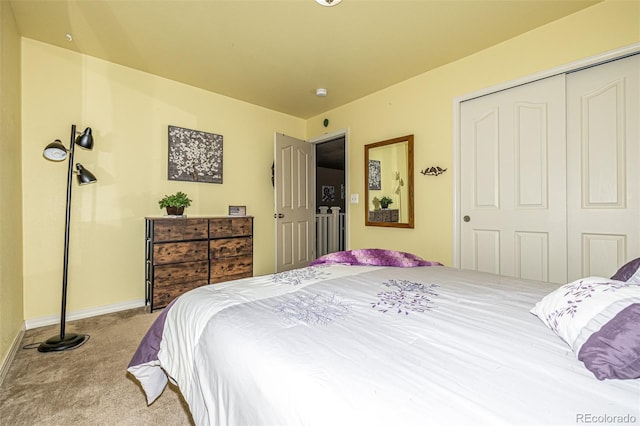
466	219
278	215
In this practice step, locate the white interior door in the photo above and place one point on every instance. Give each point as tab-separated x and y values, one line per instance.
603	134
512	174
294	202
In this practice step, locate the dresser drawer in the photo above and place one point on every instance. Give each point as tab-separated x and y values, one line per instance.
230	247
180	252
230	227
178	273
162	296
231	266
224	278
180	229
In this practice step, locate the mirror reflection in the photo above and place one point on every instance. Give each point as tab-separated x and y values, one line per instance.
389	183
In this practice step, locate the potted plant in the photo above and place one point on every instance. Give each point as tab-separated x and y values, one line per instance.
385	201
175	203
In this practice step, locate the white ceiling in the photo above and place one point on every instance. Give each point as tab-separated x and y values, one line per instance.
275	53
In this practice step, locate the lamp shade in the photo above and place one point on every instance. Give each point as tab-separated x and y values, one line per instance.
55	151
84	176
85	140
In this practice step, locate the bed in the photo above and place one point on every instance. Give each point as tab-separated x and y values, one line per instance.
417	343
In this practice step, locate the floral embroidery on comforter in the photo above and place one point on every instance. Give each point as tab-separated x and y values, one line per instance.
316	308
405	296
298	276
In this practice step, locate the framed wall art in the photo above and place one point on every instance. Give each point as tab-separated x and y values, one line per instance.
328	193
194	156
374	174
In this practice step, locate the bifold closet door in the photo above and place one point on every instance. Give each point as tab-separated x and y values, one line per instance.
603	150
512	174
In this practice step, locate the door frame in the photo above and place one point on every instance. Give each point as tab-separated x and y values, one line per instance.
591	61
325	137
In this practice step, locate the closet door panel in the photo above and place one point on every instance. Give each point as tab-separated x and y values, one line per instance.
513	182
603	153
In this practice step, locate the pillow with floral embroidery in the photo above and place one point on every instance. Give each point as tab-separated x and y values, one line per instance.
577	310
629	272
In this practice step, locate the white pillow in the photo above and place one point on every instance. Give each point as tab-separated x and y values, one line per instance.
578	309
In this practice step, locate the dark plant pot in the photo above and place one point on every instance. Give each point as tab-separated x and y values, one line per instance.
175	211
384	206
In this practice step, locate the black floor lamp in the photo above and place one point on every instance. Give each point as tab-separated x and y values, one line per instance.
56	151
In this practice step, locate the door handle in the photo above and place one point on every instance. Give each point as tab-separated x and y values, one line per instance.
278	215
466	219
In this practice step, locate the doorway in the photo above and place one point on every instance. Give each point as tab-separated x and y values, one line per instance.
298	220
331	205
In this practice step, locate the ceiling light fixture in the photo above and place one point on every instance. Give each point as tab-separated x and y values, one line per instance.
321	92
328	3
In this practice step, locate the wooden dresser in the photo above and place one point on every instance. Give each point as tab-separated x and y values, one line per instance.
185	253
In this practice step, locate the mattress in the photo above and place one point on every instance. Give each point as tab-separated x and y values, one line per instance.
370	345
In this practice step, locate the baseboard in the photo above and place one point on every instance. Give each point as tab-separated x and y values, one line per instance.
84	313
6	362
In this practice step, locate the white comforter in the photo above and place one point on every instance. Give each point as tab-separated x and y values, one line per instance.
361	345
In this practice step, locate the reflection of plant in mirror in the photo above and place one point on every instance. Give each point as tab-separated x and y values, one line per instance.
385	201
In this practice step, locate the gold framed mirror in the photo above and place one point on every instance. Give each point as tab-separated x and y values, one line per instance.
388	177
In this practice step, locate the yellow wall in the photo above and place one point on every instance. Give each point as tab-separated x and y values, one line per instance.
423	106
129	112
11	303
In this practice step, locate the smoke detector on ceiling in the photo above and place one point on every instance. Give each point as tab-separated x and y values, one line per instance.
328	2
321	92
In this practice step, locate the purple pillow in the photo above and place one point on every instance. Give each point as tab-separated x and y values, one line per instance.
613	352
374	257
627	271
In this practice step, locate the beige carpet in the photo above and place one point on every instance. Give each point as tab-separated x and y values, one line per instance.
88	385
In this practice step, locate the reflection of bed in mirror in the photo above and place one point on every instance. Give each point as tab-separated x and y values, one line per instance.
389	180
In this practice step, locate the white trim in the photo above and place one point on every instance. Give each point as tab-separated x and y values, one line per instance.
6	362
84	313
328	136
608	56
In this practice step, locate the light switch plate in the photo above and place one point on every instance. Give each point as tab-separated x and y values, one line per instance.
354	198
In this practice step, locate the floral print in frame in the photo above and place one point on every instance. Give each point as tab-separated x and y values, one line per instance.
374	175
194	156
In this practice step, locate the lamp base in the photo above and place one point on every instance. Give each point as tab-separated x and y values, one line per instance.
69	341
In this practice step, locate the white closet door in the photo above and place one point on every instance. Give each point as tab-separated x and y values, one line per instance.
603	150
513	193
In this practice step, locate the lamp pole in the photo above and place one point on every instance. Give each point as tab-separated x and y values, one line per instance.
67	222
